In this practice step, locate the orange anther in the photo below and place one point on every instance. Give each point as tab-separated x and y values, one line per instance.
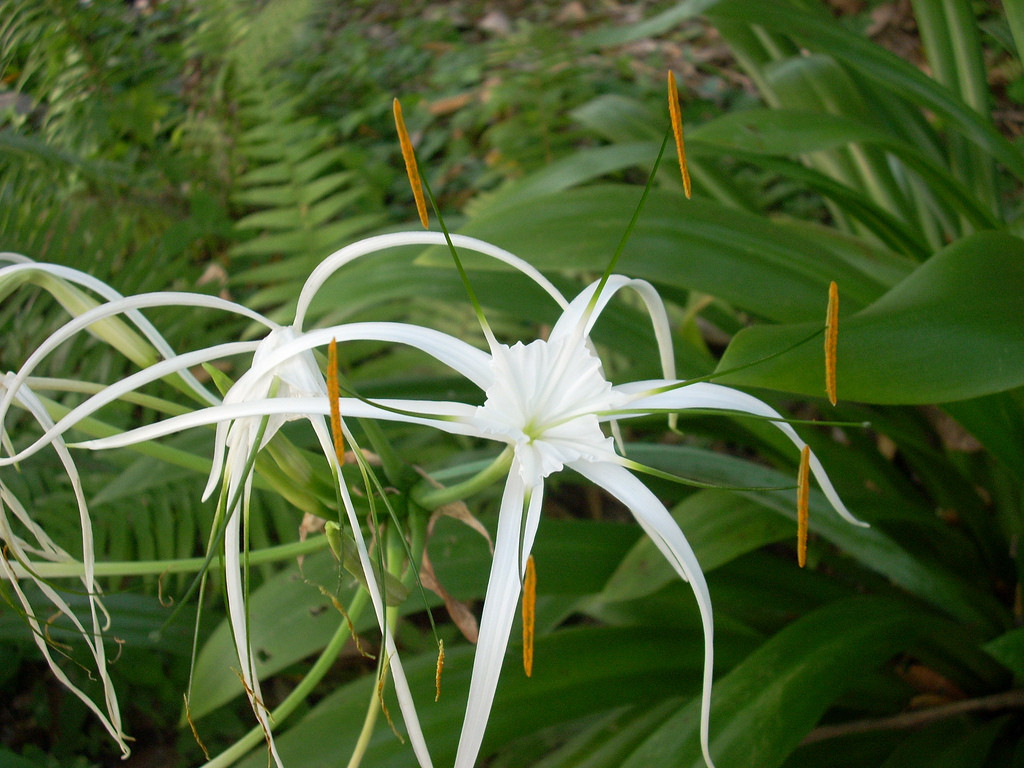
411	168
677	130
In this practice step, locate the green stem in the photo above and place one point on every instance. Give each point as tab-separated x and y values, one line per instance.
431	498
75	569
392	463
316	673
395	555
369	722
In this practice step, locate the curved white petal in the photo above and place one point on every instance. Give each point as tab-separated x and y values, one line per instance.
451	417
99	287
234	591
94	637
503	587
338	259
576	314
296	376
666	535
402	691
110	309
174	364
655	396
473	363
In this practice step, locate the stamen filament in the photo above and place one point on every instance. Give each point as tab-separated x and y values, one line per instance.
831	341
411	168
333	395
529	614
677	130
802	502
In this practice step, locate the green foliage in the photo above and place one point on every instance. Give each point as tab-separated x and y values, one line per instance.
249	142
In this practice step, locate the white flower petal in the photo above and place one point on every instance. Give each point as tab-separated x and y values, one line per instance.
174	364
570	321
235	592
715	396
454	418
93	637
666	535
503	587
402	691
110	309
370	245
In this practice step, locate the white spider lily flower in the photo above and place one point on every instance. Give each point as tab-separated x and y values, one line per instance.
547	399
272	380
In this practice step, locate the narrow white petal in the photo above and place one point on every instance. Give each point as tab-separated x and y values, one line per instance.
464	358
370	245
175	364
715	396
451	417
666	535
234	591
110	309
145	327
100	620
503	587
402	690
570	320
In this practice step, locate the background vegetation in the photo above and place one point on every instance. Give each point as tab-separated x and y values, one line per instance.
228	146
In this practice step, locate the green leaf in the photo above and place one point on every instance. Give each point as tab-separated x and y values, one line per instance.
577	672
871	547
763	708
950	744
1008	649
719	525
773	270
950	331
818	31
290	618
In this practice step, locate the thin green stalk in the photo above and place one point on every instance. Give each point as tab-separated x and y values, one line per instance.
431	498
366	732
75	569
395	558
316	673
629	227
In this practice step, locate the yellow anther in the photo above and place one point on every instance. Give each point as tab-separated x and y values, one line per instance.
440	666
332	395
831	341
677	130
411	168
529	614
803	493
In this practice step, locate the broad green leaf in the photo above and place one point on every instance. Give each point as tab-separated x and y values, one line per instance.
620	119
577	671
870	546
820	32
751	262
1008	649
998	422
578	168
290	618
951	744
718	525
763	708
950	331
606	741
799	131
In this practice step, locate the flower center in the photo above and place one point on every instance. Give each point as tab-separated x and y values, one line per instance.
544	400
